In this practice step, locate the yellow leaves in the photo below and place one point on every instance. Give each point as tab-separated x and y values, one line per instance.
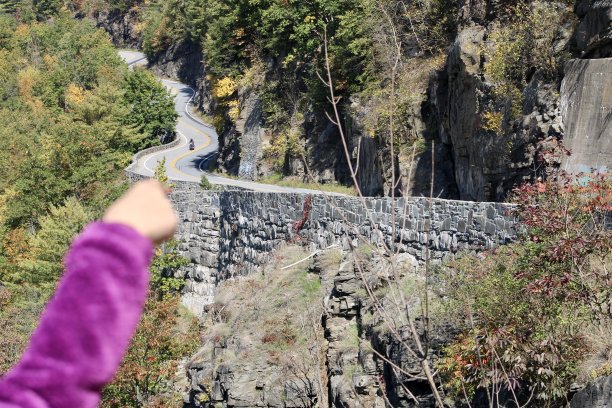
492	121
16	245
254	76
310	19
49	61
75	95
290	58
22	30
27	80
139	27
239	33
225	87
234	110
286	143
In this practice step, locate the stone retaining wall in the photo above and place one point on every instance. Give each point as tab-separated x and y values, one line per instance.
232	233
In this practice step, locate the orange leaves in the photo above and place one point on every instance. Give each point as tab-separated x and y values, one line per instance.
27	80
16	245
23	30
154	354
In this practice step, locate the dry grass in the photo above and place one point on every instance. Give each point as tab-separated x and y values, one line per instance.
278	180
599	361
266	321
331	259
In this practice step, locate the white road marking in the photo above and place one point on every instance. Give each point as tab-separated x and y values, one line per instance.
154	155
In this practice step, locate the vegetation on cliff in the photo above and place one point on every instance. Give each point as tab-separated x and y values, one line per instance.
528	310
275	50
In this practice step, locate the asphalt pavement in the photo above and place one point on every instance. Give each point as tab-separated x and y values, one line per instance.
183	164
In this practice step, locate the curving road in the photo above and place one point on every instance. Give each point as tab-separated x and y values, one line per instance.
181	163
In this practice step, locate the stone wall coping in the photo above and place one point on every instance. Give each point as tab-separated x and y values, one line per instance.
153	149
190	185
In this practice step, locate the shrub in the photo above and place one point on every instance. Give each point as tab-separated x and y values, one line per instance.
153	357
525	43
224	88
283	147
205	184
524	307
492	121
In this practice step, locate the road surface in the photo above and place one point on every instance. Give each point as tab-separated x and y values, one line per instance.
181	163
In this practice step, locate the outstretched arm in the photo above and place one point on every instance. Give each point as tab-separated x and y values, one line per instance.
86	328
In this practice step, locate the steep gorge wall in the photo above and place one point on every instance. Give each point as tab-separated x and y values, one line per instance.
471	162
586	105
233	233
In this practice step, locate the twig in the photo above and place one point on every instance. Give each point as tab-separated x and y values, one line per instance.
310	256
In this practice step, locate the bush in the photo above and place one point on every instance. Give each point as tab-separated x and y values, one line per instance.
152	360
205	184
493	121
524	308
526	43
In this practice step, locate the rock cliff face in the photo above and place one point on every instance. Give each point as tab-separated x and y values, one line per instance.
586	100
593	37
586	104
595	395
241	146
576	113
471	162
488	165
122	27
182	61
336	361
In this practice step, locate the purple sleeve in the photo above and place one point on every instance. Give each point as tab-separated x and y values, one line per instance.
86	328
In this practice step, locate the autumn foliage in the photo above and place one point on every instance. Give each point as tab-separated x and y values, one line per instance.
526	309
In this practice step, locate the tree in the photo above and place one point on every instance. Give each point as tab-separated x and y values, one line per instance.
20	309
151	108
9	6
160	171
153	356
166	334
47	8
165	265
44	264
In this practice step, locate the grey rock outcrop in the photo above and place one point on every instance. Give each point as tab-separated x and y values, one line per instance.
586	107
182	60
226	371
241	143
593	37
122	27
595	395
487	165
